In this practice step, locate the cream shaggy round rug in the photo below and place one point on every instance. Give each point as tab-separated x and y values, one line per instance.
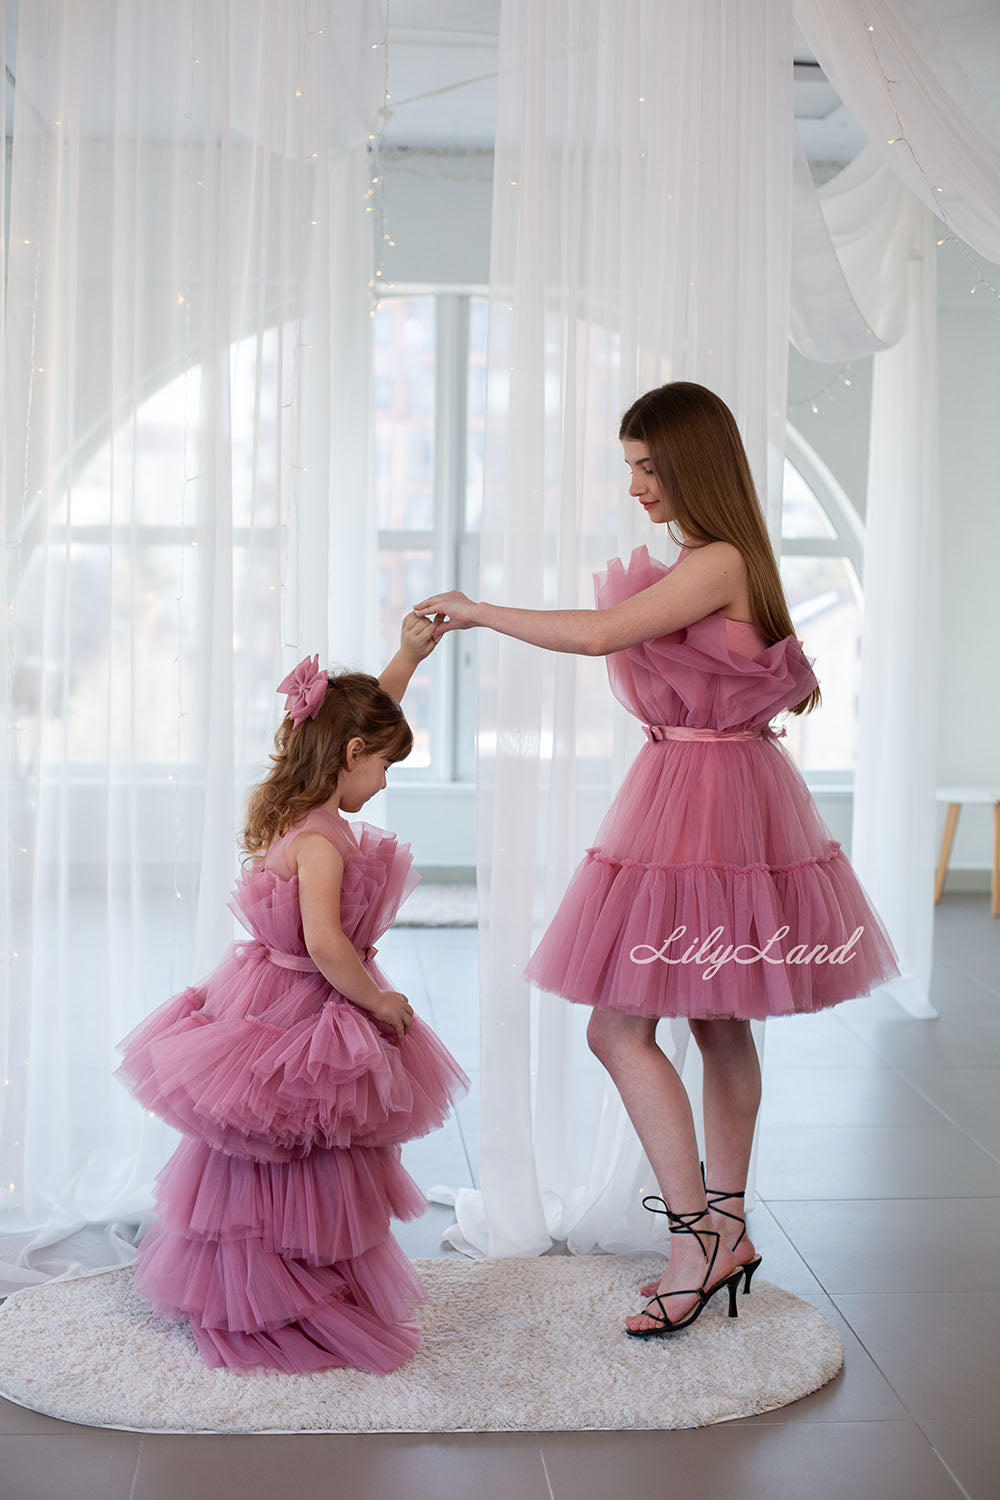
508	1345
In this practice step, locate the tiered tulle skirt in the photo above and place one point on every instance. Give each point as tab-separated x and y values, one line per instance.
713	890
272	1230
285	1264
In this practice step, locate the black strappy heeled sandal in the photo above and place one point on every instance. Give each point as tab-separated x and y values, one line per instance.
714	1199
685	1224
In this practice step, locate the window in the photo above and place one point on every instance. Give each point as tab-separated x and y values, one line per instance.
116	593
430	382
821	549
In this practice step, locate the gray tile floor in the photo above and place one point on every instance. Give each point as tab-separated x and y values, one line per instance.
880	1202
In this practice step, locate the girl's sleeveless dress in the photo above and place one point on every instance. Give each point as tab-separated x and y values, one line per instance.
713	888
272	1228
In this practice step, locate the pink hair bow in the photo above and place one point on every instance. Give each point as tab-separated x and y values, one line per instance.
306	689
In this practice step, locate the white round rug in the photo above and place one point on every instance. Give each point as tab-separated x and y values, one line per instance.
508	1345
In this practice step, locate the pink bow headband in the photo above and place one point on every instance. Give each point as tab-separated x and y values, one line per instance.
305	686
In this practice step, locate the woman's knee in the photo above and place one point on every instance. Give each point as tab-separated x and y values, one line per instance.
612	1034
724	1036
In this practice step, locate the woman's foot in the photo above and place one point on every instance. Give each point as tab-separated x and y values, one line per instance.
735	1249
693	1264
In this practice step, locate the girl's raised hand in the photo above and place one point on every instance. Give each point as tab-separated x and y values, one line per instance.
416	636
456	606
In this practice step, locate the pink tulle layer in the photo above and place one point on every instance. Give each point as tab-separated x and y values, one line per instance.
272	1229
254	1088
248	1306
325	1207
681	941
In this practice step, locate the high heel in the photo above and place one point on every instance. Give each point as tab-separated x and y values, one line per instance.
714	1199
685	1224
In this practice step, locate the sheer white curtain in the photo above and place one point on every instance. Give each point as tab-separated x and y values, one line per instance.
863	280
185	431
892	66
641	228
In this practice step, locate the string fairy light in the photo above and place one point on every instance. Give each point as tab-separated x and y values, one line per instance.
900	139
841	380
376	192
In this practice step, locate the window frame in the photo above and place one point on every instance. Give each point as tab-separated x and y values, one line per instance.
454	549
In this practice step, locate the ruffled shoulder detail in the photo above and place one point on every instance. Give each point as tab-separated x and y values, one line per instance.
378	877
693	676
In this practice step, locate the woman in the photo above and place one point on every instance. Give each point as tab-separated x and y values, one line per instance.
714	890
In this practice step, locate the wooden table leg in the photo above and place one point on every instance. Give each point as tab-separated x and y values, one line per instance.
947	839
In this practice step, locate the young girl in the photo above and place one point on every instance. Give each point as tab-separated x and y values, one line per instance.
714	890
295	1070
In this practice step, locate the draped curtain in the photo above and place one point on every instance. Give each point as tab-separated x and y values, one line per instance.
642	221
867	281
185	361
641	233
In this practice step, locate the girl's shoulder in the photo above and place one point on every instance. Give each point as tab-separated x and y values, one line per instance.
336	830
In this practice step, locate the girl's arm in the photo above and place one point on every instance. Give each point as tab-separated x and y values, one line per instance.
320	868
416	641
705	581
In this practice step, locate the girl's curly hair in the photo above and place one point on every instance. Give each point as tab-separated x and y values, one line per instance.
310	758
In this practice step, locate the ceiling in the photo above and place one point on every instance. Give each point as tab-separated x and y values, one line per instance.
443	60
442	75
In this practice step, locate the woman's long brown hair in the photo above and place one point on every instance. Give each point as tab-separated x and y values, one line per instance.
309	759
700	463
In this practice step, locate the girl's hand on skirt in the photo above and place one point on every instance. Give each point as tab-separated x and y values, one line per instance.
395	1011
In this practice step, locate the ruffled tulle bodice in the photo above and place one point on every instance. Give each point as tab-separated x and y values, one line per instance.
711	844
378	877
714	674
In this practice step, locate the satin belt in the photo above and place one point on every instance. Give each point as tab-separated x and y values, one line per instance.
301	962
655	732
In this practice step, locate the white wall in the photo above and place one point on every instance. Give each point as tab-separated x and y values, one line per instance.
969	730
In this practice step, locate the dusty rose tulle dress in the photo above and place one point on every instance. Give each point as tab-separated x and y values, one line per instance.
272	1227
715	839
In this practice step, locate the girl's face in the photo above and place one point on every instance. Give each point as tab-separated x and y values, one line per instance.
363	776
645	487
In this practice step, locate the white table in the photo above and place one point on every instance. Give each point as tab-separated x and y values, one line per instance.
957	797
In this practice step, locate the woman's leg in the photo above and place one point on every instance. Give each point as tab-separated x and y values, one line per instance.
659	1108
731	1098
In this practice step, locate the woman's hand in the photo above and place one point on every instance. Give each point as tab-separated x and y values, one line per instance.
394	1010
456	606
416	636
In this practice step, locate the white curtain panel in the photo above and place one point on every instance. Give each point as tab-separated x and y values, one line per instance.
935	144
185	364
892	66
894	819
641	232
864	281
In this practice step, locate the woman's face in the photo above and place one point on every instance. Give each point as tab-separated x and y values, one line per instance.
644	486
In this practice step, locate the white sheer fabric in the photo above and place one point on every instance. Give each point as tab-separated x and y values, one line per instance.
892	66
641	229
893	829
865	262
185	364
934	142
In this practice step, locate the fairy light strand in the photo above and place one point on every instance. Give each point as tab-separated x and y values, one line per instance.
842	380
376	191
900	139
